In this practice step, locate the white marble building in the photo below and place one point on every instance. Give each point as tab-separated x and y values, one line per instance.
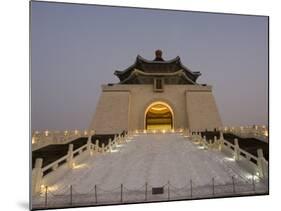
156	94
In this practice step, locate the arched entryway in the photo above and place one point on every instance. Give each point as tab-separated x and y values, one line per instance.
159	116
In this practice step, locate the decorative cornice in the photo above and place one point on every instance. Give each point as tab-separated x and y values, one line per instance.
127	74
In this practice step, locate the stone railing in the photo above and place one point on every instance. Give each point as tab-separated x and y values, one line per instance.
45	138
259	163
143	131
258	132
69	161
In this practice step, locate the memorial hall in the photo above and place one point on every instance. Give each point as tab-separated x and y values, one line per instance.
155	94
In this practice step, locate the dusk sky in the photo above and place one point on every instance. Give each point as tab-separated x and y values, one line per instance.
76	48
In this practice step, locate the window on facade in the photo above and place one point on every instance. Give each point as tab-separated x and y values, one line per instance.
158	84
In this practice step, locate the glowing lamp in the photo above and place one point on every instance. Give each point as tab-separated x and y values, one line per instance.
46	133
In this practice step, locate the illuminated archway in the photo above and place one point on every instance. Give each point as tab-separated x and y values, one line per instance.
159	116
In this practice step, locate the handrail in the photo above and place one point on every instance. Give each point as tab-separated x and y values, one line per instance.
51	165
258	132
43	138
53	140
232	147
80	148
54	163
249	155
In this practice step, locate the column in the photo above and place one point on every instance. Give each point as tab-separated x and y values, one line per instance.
37	176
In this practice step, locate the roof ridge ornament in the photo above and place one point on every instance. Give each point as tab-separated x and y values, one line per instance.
158	55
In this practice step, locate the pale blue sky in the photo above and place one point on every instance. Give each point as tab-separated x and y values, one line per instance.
76	48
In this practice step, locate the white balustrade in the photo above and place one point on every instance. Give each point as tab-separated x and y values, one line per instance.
102	148
262	164
259	162
38	171
258	132
89	145
97	146
42	139
37	175
70	156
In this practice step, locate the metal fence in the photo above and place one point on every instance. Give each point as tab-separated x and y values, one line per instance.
122	194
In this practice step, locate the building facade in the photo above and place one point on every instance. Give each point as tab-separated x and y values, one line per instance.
155	95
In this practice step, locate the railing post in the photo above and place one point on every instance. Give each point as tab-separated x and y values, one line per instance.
215	141
253	182
37	176
262	169
115	141
102	148
55	167
221	140
89	142
204	140
236	149
97	146
70	156
46	196
118	139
